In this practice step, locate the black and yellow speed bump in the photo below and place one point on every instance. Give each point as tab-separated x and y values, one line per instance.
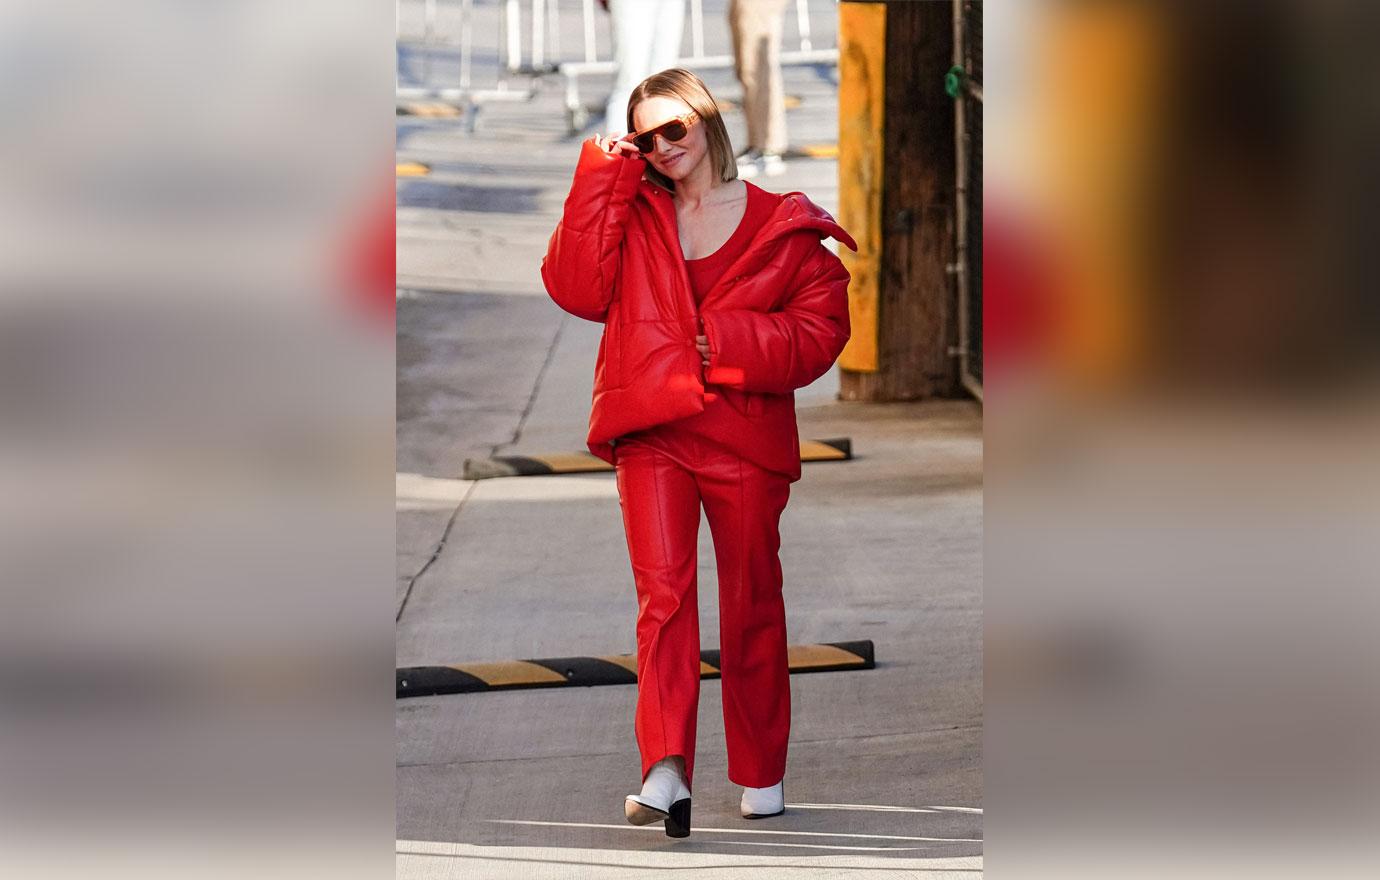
836	449
469	678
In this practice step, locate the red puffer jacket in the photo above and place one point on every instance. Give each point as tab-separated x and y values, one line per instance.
775	321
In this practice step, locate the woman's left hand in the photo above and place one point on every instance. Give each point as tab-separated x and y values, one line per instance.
702	343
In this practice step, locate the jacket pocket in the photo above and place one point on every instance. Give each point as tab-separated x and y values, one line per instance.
755	405
747	403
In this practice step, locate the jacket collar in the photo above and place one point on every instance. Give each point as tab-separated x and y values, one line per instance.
794	213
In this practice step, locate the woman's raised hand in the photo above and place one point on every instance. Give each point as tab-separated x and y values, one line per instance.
615	144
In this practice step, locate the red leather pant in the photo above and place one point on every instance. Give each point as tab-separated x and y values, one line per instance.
663	476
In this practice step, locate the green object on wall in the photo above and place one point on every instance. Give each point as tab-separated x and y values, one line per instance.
954	81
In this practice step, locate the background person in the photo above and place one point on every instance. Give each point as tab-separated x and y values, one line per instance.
756	28
647	36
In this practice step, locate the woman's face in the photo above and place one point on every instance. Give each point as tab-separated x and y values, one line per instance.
674	159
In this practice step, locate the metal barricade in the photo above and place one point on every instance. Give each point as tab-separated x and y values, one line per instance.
577	115
464	94
542	54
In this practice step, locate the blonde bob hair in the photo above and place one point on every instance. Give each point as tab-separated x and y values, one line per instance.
677	82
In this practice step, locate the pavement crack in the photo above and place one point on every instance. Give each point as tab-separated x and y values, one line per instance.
435	554
517	435
536	386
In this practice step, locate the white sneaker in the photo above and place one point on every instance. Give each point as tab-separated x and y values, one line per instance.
749	163
759	803
753	163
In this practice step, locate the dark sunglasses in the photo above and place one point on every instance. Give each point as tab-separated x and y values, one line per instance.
672	130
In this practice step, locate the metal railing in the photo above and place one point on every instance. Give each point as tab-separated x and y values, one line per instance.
577	115
465	94
541	54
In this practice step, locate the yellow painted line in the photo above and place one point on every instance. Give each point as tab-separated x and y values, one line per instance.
815	451
510	672
431	110
806	656
821	151
790	101
413	169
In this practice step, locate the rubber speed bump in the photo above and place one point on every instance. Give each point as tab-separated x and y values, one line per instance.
836	449
839	449
469	678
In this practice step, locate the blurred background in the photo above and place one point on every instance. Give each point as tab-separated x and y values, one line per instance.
195	437
1181	514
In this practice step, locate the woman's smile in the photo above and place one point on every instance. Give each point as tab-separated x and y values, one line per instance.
669	161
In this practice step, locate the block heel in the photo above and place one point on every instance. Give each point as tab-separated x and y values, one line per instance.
678	820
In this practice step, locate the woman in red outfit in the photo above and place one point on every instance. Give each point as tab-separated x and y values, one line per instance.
703	281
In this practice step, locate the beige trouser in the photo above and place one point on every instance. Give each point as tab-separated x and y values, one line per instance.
756	27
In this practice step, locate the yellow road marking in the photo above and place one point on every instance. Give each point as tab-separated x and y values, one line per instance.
432	110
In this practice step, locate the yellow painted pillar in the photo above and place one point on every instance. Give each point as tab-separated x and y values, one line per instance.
862	117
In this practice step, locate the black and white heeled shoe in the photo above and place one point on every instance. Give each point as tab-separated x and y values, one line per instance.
664	798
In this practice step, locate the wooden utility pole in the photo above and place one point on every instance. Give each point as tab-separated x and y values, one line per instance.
896	197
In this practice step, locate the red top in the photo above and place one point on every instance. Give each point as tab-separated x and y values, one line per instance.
722	422
706	271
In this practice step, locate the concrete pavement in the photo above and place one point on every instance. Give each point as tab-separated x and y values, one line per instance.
884	771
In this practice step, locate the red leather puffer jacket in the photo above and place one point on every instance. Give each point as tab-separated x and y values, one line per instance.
776	321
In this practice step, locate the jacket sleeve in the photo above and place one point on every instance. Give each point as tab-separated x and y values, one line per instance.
580	268
782	350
